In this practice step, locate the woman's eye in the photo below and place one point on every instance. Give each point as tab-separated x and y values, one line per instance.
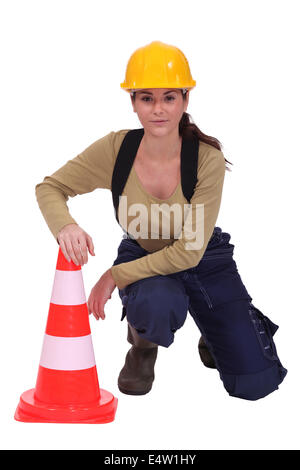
168	98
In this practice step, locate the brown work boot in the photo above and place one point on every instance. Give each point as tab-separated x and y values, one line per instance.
205	355
137	375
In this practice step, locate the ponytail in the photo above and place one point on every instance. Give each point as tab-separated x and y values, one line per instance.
189	130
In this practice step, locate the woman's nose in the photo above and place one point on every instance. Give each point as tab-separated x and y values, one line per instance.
158	111
157	107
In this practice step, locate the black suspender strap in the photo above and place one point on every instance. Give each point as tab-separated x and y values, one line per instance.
124	162
189	166
127	154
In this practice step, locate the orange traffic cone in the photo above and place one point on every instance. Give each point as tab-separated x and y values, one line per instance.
67	388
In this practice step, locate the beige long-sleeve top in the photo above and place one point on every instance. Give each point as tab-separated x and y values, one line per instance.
174	232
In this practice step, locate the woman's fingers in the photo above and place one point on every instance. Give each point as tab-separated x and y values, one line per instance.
90	245
75	244
83	250
96	309
93	309
70	251
98	298
74	251
101	310
77	251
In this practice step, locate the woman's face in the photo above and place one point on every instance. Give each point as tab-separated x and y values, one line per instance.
160	109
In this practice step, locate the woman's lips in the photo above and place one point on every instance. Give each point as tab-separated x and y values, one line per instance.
158	122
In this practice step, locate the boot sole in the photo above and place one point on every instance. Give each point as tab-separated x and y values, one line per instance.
133	392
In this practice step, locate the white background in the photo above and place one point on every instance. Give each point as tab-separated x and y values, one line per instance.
62	64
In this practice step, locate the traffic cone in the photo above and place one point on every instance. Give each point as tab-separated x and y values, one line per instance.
67	388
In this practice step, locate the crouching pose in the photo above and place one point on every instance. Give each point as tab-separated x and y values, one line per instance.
166	180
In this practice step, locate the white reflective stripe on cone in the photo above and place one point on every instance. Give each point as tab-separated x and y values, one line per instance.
69	353
68	288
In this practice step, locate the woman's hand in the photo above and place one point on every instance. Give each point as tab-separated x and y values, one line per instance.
100	294
75	243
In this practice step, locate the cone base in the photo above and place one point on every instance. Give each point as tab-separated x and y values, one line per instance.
31	410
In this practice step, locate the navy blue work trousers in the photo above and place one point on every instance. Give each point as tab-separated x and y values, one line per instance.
238	335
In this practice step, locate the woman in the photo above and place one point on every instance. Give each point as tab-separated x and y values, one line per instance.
172	264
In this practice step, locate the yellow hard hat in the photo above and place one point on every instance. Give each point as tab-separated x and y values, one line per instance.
158	65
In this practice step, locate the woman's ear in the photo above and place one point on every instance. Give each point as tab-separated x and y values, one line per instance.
133	103
186	101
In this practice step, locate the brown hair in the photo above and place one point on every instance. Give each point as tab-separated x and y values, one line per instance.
188	130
